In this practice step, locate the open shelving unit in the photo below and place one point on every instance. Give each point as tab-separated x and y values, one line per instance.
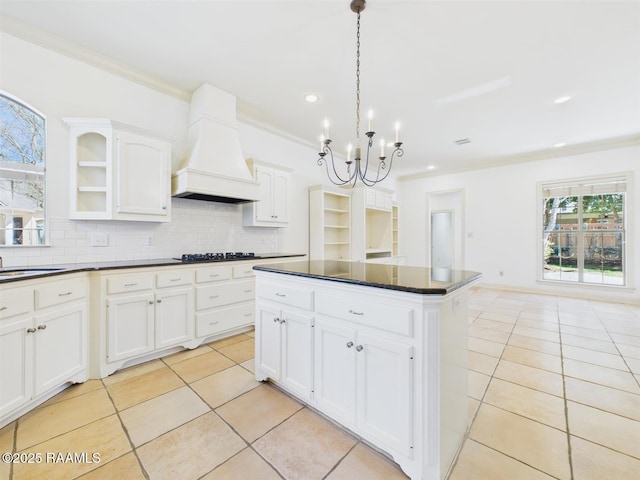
329	224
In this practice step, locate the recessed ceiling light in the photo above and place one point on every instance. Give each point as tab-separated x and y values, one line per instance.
311	98
559	145
431	167
562	99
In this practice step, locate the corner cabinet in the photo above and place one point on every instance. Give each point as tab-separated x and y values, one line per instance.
118	172
272	209
372	224
329	224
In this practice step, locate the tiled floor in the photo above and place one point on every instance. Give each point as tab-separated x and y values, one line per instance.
553	393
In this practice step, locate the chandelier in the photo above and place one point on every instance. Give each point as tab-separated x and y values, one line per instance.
356	169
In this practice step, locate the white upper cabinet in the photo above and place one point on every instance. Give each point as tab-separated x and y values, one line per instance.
118	172
272	210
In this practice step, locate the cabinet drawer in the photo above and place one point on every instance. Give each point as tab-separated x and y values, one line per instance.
60	292
16	303
242	271
214	274
223	319
173	279
129	283
392	318
297	297
217	295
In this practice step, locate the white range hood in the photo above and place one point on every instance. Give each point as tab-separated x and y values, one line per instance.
214	169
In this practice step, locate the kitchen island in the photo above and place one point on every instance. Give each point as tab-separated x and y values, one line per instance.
380	349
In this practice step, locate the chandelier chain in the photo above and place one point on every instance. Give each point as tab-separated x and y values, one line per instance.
358	79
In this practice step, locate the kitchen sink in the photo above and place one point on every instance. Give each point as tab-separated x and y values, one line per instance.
16	272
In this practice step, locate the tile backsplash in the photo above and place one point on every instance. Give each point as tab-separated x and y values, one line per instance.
195	227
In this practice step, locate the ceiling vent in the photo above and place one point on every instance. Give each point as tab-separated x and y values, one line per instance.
462	141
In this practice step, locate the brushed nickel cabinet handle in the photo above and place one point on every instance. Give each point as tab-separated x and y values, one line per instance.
359	348
64	294
349	344
356	313
31	330
42	327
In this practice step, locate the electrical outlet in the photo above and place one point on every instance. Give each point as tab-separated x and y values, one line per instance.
99	239
148	241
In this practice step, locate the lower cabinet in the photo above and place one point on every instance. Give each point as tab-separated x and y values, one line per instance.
43	340
284	347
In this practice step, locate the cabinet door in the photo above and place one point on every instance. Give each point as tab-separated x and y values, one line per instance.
268	343
264	207
385	393
335	370
297	352
281	196
142	175
16	363
60	346
129	326
174	319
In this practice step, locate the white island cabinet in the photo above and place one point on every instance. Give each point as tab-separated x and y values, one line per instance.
381	349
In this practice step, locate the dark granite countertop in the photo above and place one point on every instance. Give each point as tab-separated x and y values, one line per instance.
39	271
422	280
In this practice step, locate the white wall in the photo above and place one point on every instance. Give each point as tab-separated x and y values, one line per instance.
500	218
60	86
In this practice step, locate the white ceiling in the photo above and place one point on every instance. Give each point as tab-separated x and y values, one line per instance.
432	65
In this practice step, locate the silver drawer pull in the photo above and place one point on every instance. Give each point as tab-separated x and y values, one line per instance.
212	275
276	319
130	284
213	296
42	327
175	279
281	295
64	294
214	323
355	313
31	330
349	344
248	314
248	291
359	348
3	308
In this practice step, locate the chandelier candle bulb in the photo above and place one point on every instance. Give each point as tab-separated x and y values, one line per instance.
326	128
349	148
370	116
382	147
321	143
397	126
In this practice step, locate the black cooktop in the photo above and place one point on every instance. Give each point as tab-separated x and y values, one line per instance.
216	257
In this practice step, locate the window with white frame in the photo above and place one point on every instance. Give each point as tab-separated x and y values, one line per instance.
584	231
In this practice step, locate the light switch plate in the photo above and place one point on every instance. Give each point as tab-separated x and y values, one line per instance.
99	239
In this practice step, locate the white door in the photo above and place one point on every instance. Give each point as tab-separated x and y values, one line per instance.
335	370
60	346
268	342
16	363
130	326
297	352
280	196
264	207
442	246
385	395
173	317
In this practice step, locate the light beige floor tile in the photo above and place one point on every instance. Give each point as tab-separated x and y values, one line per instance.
585	332
145	421
6	445
477	384
305	447
201	366
538	324
507	319
363	462
607	429
226	385
140	388
131	372
619	338
605	398
596	358
104	437
46	422
479	362
535	344
186	354
593	462
246	464
601	375
229	341
581	320
251	333
472	407
250	365
531	377
74	391
493	325
488	334
533	404
536	333
633	364
629	351
548	315
590	343
533	359
126	467
485	346
258	411
190	451
240	351
477	462
540	446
